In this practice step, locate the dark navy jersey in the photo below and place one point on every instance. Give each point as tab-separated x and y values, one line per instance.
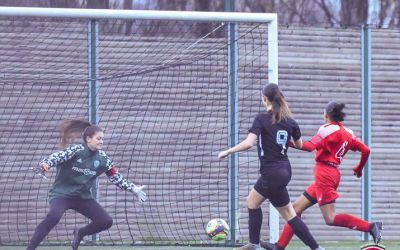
273	139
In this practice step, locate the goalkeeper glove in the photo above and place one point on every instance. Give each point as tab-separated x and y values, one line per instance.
357	170
41	170
141	195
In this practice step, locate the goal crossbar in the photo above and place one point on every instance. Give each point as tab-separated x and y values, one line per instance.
138	14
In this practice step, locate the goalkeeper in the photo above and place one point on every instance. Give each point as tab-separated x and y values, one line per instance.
331	143
77	167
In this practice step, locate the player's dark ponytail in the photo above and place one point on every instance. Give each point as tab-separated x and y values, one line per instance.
71	129
280	108
335	111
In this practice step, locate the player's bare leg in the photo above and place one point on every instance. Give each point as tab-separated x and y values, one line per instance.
351	222
300	205
254	201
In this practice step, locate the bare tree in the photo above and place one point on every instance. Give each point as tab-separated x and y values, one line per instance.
374	7
331	13
128	5
331	9
202	5
98	4
172	4
387	14
354	12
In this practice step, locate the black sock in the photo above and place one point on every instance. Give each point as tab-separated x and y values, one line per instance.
301	230
255	221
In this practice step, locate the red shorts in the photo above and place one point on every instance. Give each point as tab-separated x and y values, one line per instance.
323	189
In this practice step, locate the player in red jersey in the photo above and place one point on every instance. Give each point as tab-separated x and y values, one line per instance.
331	143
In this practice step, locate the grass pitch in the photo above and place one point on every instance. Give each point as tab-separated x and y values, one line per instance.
328	245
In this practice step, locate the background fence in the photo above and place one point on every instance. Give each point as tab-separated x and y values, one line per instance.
163	104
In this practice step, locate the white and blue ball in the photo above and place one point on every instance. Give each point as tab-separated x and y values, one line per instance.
217	229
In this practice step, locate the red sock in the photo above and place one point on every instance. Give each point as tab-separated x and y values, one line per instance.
352	222
286	236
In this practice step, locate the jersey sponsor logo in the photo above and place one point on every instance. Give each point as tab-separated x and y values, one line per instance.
84	171
372	246
342	151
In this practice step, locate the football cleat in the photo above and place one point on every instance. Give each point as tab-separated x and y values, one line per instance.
77	240
250	246
270	246
375	231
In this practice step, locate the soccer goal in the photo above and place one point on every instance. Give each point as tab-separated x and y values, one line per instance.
169	88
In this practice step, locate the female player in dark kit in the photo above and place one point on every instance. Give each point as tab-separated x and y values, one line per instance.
271	132
332	142
78	166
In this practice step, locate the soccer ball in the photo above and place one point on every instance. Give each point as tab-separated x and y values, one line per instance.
217	229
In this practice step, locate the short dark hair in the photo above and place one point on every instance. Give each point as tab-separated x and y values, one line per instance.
335	111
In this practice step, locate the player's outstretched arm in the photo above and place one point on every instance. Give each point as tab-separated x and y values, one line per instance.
61	156
56	158
309	145
246	144
365	152
304	146
124	184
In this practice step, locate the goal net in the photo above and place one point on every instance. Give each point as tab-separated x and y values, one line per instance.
163	95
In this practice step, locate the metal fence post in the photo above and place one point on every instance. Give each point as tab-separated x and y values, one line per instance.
366	121
93	69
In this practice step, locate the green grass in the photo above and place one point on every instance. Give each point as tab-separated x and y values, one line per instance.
344	245
329	245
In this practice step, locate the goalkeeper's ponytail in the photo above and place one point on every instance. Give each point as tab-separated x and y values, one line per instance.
71	130
280	108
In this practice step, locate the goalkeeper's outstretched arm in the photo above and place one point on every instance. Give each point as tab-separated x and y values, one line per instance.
58	157
115	177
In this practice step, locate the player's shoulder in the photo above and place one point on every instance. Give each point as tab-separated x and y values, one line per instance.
263	117
263	114
102	153
290	122
350	131
76	147
328	129
105	159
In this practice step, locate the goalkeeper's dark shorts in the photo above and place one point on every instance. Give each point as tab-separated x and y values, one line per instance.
273	181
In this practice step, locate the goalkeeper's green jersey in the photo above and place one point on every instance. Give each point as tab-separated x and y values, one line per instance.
77	169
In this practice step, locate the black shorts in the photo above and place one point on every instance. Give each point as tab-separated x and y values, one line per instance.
273	181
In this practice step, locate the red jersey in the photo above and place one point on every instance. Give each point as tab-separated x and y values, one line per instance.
332	142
